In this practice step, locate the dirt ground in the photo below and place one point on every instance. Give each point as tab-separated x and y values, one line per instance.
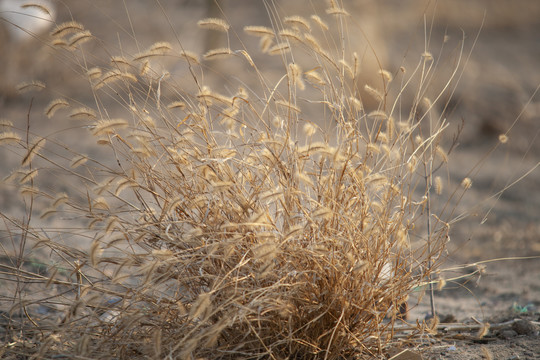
497	92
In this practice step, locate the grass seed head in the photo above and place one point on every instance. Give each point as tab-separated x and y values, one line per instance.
266	42
29	176
9	137
40	6
374	93
216	54
297	21
290	34
79	38
83	113
337	11
114	76
279	49
67	28
259	31
466	183
33	151
214	24
320	22
438	184
30	86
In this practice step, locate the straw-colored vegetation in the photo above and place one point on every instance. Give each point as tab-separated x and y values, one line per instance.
284	219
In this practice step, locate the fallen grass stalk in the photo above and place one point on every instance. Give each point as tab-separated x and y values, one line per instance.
446	329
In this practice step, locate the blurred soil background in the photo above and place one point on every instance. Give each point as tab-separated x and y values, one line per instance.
496	93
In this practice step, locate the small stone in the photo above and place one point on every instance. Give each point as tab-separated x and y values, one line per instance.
447	319
524	327
507	334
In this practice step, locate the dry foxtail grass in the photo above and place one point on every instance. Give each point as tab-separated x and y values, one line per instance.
275	220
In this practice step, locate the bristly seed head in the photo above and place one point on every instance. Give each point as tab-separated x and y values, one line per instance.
215	54
67	28
33	151
54	106
320	22
30	86
214	24
83	113
9	137
79	38
279	49
309	129
297	21
295	76
438	185
41	7
466	183
259	30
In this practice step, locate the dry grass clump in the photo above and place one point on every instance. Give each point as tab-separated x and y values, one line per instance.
275	221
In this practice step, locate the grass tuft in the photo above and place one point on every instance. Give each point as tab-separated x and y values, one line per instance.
274	218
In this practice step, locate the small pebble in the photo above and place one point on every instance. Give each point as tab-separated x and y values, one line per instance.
449	318
43	310
507	334
524	327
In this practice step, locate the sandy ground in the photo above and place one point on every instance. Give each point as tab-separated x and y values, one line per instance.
495	94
